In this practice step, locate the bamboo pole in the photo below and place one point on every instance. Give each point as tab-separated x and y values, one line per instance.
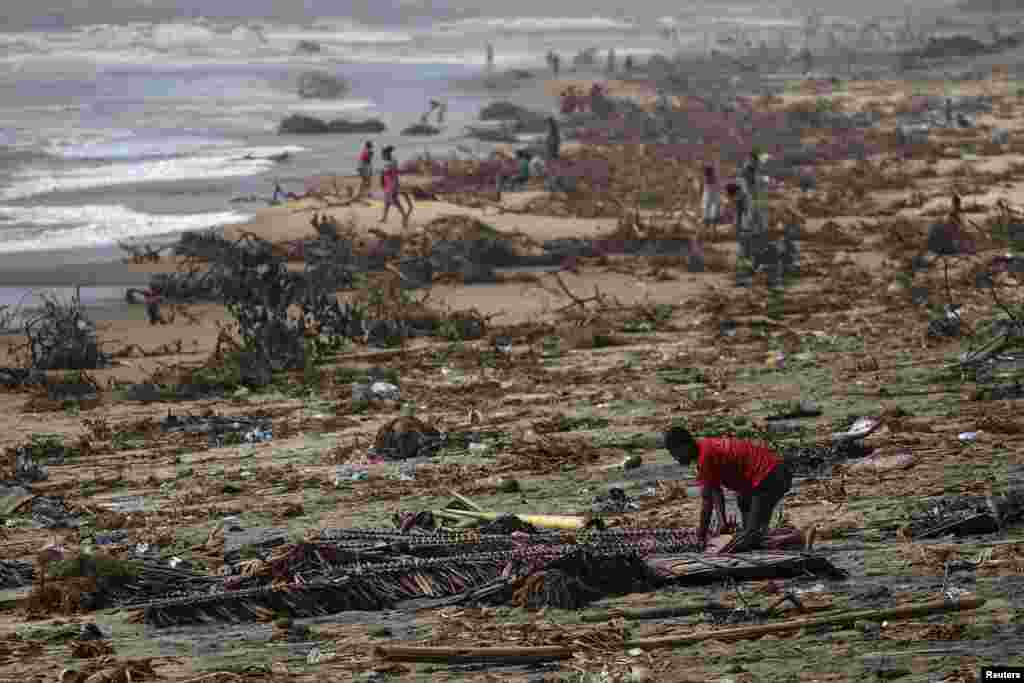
457	655
461	498
463	655
752	632
544	521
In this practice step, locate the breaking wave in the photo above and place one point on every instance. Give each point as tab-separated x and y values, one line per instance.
238	163
535	24
72	227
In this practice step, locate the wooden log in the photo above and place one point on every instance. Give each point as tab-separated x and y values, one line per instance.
651	613
753	632
466	501
520	655
464	655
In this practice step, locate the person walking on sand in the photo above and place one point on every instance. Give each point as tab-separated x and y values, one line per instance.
556	64
758	475
554	139
711	198
490	58
153	299
392	190
366	168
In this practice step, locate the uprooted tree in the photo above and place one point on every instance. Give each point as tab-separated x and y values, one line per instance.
61	337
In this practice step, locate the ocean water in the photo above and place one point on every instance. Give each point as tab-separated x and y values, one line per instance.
114	132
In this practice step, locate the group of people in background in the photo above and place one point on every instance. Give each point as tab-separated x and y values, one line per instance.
389	181
573	100
742	193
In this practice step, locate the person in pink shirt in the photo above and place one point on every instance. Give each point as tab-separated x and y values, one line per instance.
392	187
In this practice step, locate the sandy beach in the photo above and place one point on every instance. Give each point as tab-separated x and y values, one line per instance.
223	550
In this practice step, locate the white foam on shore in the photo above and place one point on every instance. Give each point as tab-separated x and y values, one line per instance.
129	147
32	182
73	227
534	25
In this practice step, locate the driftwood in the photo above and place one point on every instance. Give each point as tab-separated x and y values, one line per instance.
522	655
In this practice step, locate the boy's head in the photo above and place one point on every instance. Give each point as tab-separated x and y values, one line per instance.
732	189
681	444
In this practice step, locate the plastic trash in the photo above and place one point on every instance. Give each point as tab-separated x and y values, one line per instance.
968	436
860	429
178	563
344	473
385	391
258	436
407	472
478	448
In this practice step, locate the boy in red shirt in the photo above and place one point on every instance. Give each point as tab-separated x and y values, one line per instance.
757	474
365	167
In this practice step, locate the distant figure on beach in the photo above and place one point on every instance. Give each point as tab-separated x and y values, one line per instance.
627	64
751	173
438	106
807	59
490	58
610	66
711	198
366	168
278	193
392	188
153	298
569	100
556	63
741	205
522	176
554	139
538	167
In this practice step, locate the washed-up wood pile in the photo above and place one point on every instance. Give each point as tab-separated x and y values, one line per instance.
374	570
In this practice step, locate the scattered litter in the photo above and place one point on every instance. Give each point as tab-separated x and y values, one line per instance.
407	472
27	470
53	513
377	391
503	345
15	378
863	427
804	409
965	515
15	574
1000	136
126	504
178	563
221	430
882	461
968	436
614	502
407	437
345	473
111	537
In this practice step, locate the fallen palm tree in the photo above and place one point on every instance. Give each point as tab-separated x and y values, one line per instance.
380	570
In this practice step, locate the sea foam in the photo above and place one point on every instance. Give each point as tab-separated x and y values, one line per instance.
32	182
72	227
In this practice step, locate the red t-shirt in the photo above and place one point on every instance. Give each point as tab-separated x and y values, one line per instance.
734	464
365	156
